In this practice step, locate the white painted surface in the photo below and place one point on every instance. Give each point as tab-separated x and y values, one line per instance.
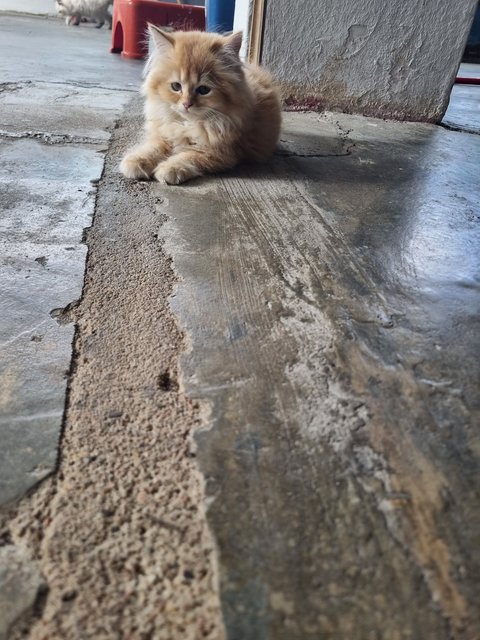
241	22
389	59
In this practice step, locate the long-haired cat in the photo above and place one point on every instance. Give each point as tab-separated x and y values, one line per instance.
75	10
205	111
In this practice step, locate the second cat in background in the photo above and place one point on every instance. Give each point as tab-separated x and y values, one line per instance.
205	110
75	11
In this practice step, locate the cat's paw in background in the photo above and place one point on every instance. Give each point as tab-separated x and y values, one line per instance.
136	167
174	173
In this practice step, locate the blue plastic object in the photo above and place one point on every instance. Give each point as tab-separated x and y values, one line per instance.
219	16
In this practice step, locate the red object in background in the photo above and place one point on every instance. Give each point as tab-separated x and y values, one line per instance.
462	80
130	18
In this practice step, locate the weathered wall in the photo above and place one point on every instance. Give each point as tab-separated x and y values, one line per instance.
393	59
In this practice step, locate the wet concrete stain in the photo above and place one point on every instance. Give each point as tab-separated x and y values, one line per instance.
341	458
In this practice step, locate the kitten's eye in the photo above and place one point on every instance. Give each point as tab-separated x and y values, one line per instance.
176	86
203	90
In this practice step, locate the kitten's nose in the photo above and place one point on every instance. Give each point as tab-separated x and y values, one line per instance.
187	105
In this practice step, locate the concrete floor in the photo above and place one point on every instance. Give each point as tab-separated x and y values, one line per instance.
57	106
463	113
305	333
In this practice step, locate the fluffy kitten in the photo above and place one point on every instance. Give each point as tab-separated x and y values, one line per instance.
205	111
75	10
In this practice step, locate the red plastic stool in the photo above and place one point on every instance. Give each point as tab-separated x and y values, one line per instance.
130	17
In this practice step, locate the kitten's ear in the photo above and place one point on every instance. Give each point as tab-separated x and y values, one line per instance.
164	42
233	42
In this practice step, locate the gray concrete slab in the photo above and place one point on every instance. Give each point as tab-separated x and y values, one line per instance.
463	111
61	111
46	208
332	303
55	53
56	115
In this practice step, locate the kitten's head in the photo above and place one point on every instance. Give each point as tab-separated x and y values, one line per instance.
196	74
60	8
65	7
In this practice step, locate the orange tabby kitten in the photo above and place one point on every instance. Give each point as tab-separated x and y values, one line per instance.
205	111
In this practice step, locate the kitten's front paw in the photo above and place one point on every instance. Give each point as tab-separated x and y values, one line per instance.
136	167
174	174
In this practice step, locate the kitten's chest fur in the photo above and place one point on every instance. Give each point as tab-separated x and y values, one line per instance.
183	133
188	133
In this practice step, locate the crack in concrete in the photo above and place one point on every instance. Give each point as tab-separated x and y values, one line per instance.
293	154
51	138
8	419
83	85
10	87
22	333
65	315
338	144
458	128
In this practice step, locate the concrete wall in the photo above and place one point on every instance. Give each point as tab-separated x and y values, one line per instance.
394	59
